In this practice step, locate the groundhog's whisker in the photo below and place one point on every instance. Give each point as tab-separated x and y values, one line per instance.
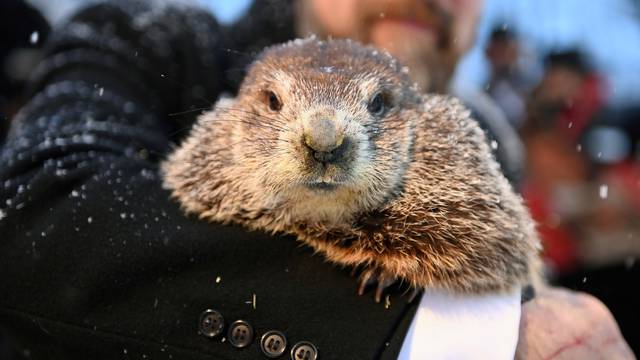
272	142
248	122
188	111
226	149
255	113
274	124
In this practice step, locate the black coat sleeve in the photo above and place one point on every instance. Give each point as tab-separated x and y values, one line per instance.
96	261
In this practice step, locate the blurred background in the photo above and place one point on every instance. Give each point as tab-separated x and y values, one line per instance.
566	74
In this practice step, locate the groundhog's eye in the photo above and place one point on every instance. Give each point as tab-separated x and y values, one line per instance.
273	101
378	105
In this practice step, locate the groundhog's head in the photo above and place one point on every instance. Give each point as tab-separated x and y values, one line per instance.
322	128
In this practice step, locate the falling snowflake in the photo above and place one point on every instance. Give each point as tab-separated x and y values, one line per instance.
604	191
34	37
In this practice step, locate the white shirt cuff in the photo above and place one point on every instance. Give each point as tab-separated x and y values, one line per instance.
464	327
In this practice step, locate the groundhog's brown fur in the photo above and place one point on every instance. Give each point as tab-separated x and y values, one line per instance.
418	195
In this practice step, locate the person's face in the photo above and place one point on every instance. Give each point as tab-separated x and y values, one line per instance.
559	84
429	36
502	55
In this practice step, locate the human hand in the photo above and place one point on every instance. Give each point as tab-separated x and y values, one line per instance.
561	324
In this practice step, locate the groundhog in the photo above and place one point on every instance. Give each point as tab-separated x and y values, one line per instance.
331	142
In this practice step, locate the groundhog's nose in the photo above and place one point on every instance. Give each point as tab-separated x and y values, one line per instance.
325	142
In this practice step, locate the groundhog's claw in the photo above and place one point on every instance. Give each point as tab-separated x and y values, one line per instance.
373	276
370	276
413	294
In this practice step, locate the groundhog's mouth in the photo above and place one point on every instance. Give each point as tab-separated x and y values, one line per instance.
327	178
322	185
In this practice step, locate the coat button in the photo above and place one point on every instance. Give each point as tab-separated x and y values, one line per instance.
304	350
273	343
240	334
211	323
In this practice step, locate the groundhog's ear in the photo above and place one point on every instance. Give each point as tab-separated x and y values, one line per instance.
224	105
221	108
224	102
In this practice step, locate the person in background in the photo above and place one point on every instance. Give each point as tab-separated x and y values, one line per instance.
98	262
570	94
512	74
560	109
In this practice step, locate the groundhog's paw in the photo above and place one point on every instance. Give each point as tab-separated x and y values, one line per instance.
380	279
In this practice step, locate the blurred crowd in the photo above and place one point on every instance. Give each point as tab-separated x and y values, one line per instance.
582	173
582	181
